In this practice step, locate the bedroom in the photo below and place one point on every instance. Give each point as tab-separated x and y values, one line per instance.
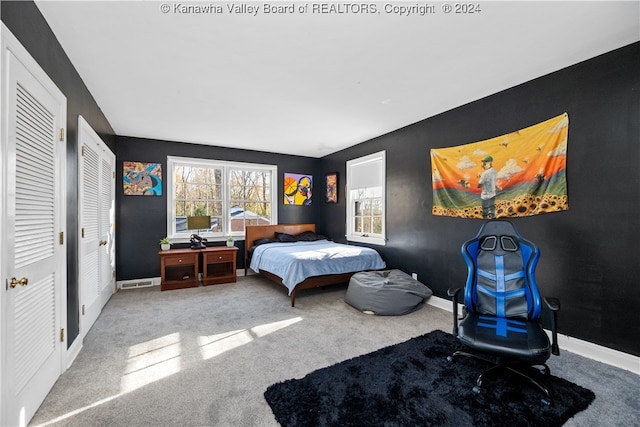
588	252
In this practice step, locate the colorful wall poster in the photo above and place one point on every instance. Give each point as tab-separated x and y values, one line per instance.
142	179
519	174
298	189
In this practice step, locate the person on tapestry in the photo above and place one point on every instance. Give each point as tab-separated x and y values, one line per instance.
489	184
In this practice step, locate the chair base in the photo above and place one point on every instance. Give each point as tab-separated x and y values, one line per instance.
512	367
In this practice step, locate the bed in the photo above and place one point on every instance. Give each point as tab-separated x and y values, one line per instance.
311	263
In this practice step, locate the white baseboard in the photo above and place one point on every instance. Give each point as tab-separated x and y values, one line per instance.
72	352
587	349
154	281
444	304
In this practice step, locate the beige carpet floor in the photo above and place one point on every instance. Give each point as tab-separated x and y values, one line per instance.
204	357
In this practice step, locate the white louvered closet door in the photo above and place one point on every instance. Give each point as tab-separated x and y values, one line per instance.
97	248
107	224
33	253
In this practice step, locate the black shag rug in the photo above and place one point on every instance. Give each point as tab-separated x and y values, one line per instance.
413	384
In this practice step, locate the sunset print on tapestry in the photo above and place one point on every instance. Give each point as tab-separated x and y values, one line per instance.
519	174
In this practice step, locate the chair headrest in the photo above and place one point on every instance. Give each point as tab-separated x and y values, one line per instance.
499	237
499	244
498	228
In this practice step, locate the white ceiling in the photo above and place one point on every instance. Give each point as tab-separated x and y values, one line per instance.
311	84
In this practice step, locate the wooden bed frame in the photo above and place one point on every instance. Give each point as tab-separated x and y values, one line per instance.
255	232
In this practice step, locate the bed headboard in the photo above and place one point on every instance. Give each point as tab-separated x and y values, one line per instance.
255	232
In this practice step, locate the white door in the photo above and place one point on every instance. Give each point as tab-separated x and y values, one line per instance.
33	224
97	224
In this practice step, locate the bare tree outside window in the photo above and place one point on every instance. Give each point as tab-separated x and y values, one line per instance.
367	210
366	199
233	195
250	197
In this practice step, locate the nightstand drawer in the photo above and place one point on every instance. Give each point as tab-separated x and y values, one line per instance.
219	265
225	257
179	260
179	269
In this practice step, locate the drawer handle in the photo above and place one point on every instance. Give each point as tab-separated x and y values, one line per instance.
179	260
220	257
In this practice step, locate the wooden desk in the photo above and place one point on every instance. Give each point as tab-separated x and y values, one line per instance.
218	265
179	269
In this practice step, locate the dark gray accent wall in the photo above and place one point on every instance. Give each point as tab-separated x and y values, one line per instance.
142	220
26	22
590	252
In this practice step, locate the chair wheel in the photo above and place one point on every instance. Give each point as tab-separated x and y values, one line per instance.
476	390
450	358
545	401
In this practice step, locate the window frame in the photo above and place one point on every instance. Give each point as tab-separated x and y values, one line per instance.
226	166
351	165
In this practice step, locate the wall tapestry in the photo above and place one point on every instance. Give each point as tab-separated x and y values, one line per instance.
142	179
297	189
519	174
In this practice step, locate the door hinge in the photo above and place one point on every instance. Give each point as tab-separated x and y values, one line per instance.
82	151
61	134
82	232
62	237
83	309
62	335
114	174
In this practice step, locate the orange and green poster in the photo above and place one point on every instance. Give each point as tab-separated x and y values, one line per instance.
519	174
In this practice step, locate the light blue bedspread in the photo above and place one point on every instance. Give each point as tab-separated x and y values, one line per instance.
296	261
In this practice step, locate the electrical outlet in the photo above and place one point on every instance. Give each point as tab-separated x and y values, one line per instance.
415	276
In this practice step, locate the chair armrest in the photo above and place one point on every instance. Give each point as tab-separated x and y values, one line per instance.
554	306
552	303
453	292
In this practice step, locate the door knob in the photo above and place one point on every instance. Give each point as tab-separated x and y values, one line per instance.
15	282
102	243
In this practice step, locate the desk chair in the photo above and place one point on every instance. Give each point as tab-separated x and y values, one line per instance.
503	306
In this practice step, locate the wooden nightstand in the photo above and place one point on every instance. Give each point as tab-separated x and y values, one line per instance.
179	269
218	265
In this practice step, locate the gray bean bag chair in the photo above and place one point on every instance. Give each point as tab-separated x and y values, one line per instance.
386	293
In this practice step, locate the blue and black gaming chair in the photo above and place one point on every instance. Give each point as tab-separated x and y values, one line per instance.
503	306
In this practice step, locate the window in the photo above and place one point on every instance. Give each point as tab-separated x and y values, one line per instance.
232	194
366	199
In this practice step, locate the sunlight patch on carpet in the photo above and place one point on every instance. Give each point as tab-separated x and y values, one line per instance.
79	411
151	361
214	345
